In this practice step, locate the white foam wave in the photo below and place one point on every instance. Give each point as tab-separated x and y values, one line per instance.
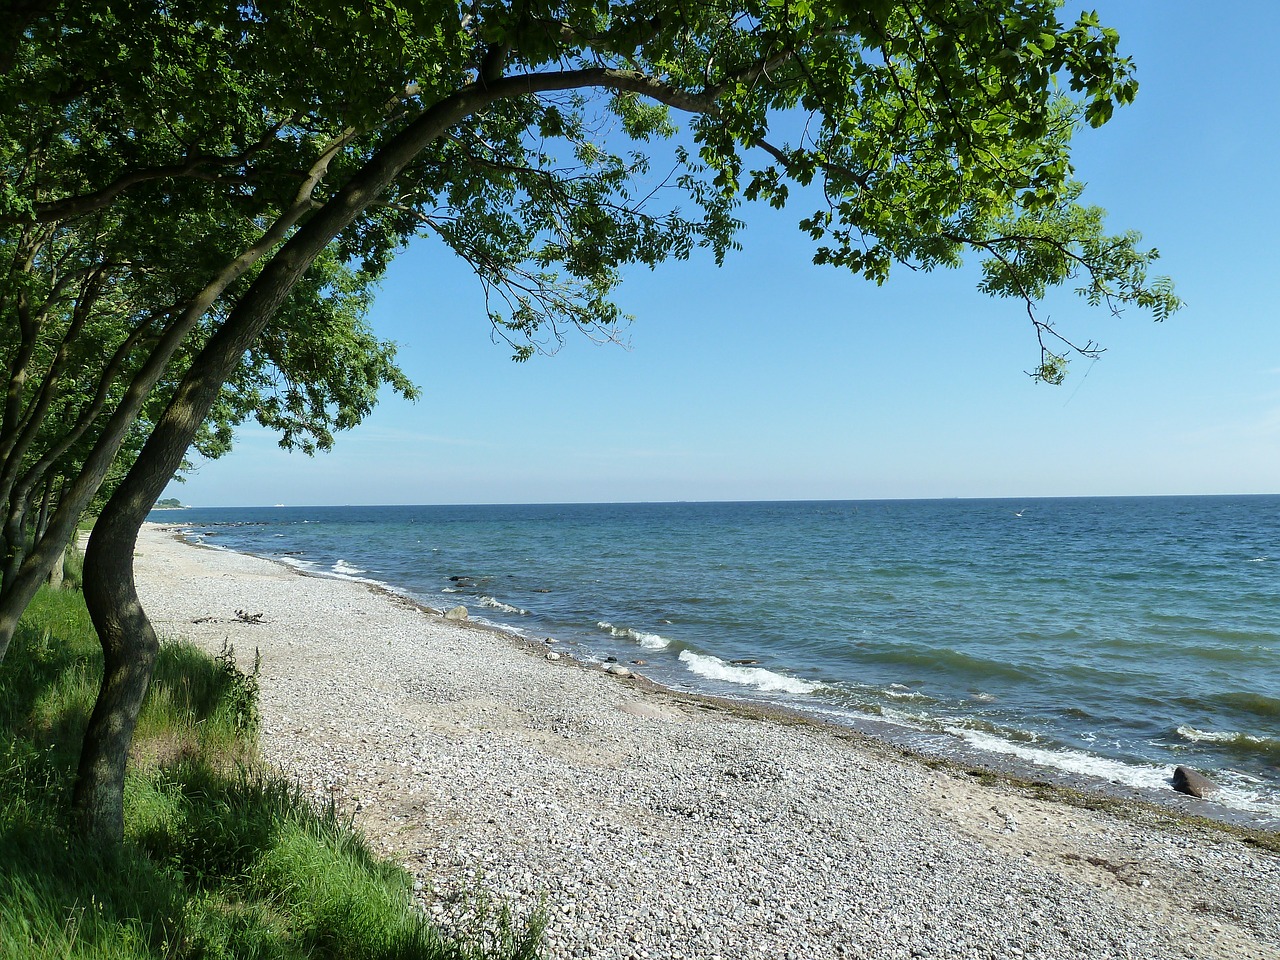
450	590
305	565
650	641
900	691
1187	732
1073	761
713	668
334	572
495	604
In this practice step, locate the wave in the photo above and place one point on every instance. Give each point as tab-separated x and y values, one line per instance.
1239	743
1256	703
1212	736
346	569
713	668
1149	776
306	566
900	691
494	603
948	660
650	641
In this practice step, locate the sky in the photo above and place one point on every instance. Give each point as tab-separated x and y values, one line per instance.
771	378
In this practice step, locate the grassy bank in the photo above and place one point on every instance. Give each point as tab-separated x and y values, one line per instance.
221	857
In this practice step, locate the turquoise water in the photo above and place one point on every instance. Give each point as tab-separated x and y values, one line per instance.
1109	636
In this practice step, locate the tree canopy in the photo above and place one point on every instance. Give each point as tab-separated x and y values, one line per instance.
197	199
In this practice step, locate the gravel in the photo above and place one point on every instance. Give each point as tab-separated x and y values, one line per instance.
646	824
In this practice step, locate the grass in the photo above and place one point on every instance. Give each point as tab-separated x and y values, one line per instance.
222	858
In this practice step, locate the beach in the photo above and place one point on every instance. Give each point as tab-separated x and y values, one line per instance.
649	824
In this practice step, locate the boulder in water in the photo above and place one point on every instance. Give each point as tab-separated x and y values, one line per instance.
1186	780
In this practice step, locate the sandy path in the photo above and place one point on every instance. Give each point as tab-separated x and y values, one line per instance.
651	825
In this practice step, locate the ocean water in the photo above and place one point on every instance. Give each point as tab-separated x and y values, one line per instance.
1109	637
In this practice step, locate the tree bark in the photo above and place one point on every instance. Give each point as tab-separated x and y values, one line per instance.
56	573
129	648
42	518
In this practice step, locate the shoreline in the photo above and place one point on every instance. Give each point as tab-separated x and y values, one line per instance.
607	795
928	747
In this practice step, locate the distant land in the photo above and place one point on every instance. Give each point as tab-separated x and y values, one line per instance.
169	503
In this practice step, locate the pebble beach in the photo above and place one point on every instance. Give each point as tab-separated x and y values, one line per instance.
650	824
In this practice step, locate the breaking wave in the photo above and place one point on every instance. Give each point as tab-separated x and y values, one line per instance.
713	668
494	603
650	641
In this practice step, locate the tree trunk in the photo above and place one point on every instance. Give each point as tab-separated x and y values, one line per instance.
15	542
129	648
42	518
56	573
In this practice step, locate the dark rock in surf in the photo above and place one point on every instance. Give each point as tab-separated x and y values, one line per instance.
1186	780
745	662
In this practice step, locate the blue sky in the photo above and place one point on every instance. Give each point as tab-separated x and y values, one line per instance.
771	378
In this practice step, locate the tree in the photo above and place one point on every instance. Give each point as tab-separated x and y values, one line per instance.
521	134
124	228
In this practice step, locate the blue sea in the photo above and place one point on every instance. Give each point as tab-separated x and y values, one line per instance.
1106	638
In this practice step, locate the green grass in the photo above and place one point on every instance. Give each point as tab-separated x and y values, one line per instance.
222	859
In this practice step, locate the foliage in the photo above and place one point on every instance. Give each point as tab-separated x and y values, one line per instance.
221	858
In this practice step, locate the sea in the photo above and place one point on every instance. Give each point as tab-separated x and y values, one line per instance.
1098	641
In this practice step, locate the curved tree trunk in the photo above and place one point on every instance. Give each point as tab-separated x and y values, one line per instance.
129	648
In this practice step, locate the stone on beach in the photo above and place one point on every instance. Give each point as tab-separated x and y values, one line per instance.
456	613
1193	784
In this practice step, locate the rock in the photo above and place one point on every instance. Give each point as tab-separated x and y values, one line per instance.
617	670
456	613
553	655
1186	780
745	662
640	663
